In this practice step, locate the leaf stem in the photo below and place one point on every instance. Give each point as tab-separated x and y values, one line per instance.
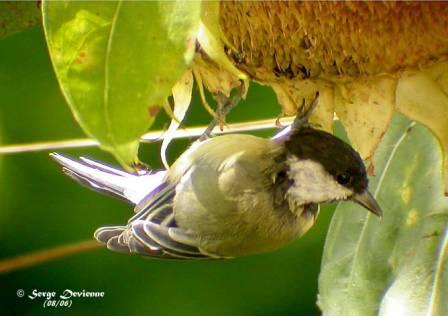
40	256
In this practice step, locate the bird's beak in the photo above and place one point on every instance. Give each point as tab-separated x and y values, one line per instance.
368	201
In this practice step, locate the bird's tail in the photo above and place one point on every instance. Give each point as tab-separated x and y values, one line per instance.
110	180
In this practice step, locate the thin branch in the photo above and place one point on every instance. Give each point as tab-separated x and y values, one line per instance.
40	256
148	137
51	145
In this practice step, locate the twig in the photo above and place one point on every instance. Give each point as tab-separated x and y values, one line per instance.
40	256
148	137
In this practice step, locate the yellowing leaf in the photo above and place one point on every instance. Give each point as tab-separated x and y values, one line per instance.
211	38
365	108
182	97
213	78
323	115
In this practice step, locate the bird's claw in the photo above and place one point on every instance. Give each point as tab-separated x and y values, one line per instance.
225	105
303	115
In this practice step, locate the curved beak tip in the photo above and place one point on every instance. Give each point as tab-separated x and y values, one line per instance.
368	201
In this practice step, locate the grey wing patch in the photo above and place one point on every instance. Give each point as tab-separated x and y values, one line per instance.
151	234
153	231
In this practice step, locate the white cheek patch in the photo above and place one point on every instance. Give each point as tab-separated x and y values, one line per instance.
312	183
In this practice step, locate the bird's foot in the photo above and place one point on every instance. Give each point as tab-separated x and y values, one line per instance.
225	105
303	114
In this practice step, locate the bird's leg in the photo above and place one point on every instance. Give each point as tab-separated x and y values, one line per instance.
303	115
225	105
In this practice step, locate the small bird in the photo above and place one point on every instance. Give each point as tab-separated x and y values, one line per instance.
230	195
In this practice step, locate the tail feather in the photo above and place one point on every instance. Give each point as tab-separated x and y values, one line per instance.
103	234
109	180
121	239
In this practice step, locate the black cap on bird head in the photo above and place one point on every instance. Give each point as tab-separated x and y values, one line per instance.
338	158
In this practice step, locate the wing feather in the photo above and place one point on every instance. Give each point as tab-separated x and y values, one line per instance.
151	230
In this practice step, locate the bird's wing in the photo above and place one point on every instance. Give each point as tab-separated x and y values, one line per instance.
153	231
148	239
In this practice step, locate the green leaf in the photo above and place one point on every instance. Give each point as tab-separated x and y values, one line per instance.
397	265
17	16
116	62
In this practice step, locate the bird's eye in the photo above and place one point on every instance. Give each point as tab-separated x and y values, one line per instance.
281	176
343	178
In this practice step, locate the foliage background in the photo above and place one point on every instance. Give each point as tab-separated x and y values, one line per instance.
40	208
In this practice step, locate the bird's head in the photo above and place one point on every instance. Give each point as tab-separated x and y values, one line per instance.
322	168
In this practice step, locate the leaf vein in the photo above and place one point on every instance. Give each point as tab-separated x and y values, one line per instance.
106	74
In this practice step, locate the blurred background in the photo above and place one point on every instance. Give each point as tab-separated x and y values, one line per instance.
42	208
